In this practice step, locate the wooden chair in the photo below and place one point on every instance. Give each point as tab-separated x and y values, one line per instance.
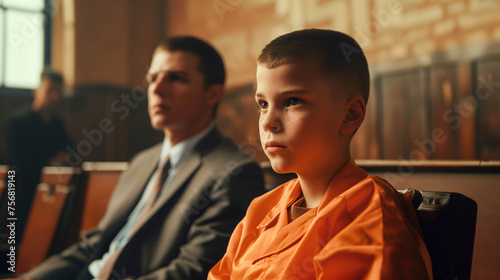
102	178
448	224
54	220
68	201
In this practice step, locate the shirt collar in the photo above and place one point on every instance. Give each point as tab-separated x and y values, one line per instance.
291	190
183	149
346	177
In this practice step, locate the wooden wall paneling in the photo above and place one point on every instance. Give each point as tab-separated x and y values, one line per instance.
365	143
420	118
116	133
486	99
108	124
403	117
394	117
238	117
443	95
465	125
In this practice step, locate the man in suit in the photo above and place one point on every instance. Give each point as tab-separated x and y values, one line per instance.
208	183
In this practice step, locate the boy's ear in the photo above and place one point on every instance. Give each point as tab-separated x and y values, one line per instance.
214	94
356	110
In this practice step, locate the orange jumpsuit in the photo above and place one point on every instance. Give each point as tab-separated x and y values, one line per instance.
361	229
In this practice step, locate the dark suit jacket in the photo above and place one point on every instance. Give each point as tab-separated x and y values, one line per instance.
31	143
189	227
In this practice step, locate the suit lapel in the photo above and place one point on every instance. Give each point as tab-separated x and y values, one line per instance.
186	170
126	198
133	193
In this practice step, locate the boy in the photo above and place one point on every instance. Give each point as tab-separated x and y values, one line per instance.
333	221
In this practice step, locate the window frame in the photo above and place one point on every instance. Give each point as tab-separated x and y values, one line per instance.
47	46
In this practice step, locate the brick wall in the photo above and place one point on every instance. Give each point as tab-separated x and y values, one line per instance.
386	29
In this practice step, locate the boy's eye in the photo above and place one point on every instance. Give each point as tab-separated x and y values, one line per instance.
293	102
262	104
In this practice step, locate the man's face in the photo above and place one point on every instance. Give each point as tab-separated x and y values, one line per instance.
299	117
47	96
176	92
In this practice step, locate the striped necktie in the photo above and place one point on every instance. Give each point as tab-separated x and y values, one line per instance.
152	195
161	175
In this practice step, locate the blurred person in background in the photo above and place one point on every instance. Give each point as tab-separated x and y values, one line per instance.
36	137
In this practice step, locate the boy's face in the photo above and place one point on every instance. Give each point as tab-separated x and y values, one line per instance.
176	91
300	118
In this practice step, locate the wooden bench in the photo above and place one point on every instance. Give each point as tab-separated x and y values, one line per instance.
102	178
53	221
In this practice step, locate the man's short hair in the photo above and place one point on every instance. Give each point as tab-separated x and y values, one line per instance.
52	75
338	55
211	64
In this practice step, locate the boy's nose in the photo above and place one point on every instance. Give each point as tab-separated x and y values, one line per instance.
270	122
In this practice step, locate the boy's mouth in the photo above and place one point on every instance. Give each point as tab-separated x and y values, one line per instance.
274	146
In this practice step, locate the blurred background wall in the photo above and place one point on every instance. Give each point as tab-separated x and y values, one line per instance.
435	67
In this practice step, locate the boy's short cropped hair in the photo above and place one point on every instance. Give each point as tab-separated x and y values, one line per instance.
337	54
211	63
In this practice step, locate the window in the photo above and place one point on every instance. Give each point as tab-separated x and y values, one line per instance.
24	42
